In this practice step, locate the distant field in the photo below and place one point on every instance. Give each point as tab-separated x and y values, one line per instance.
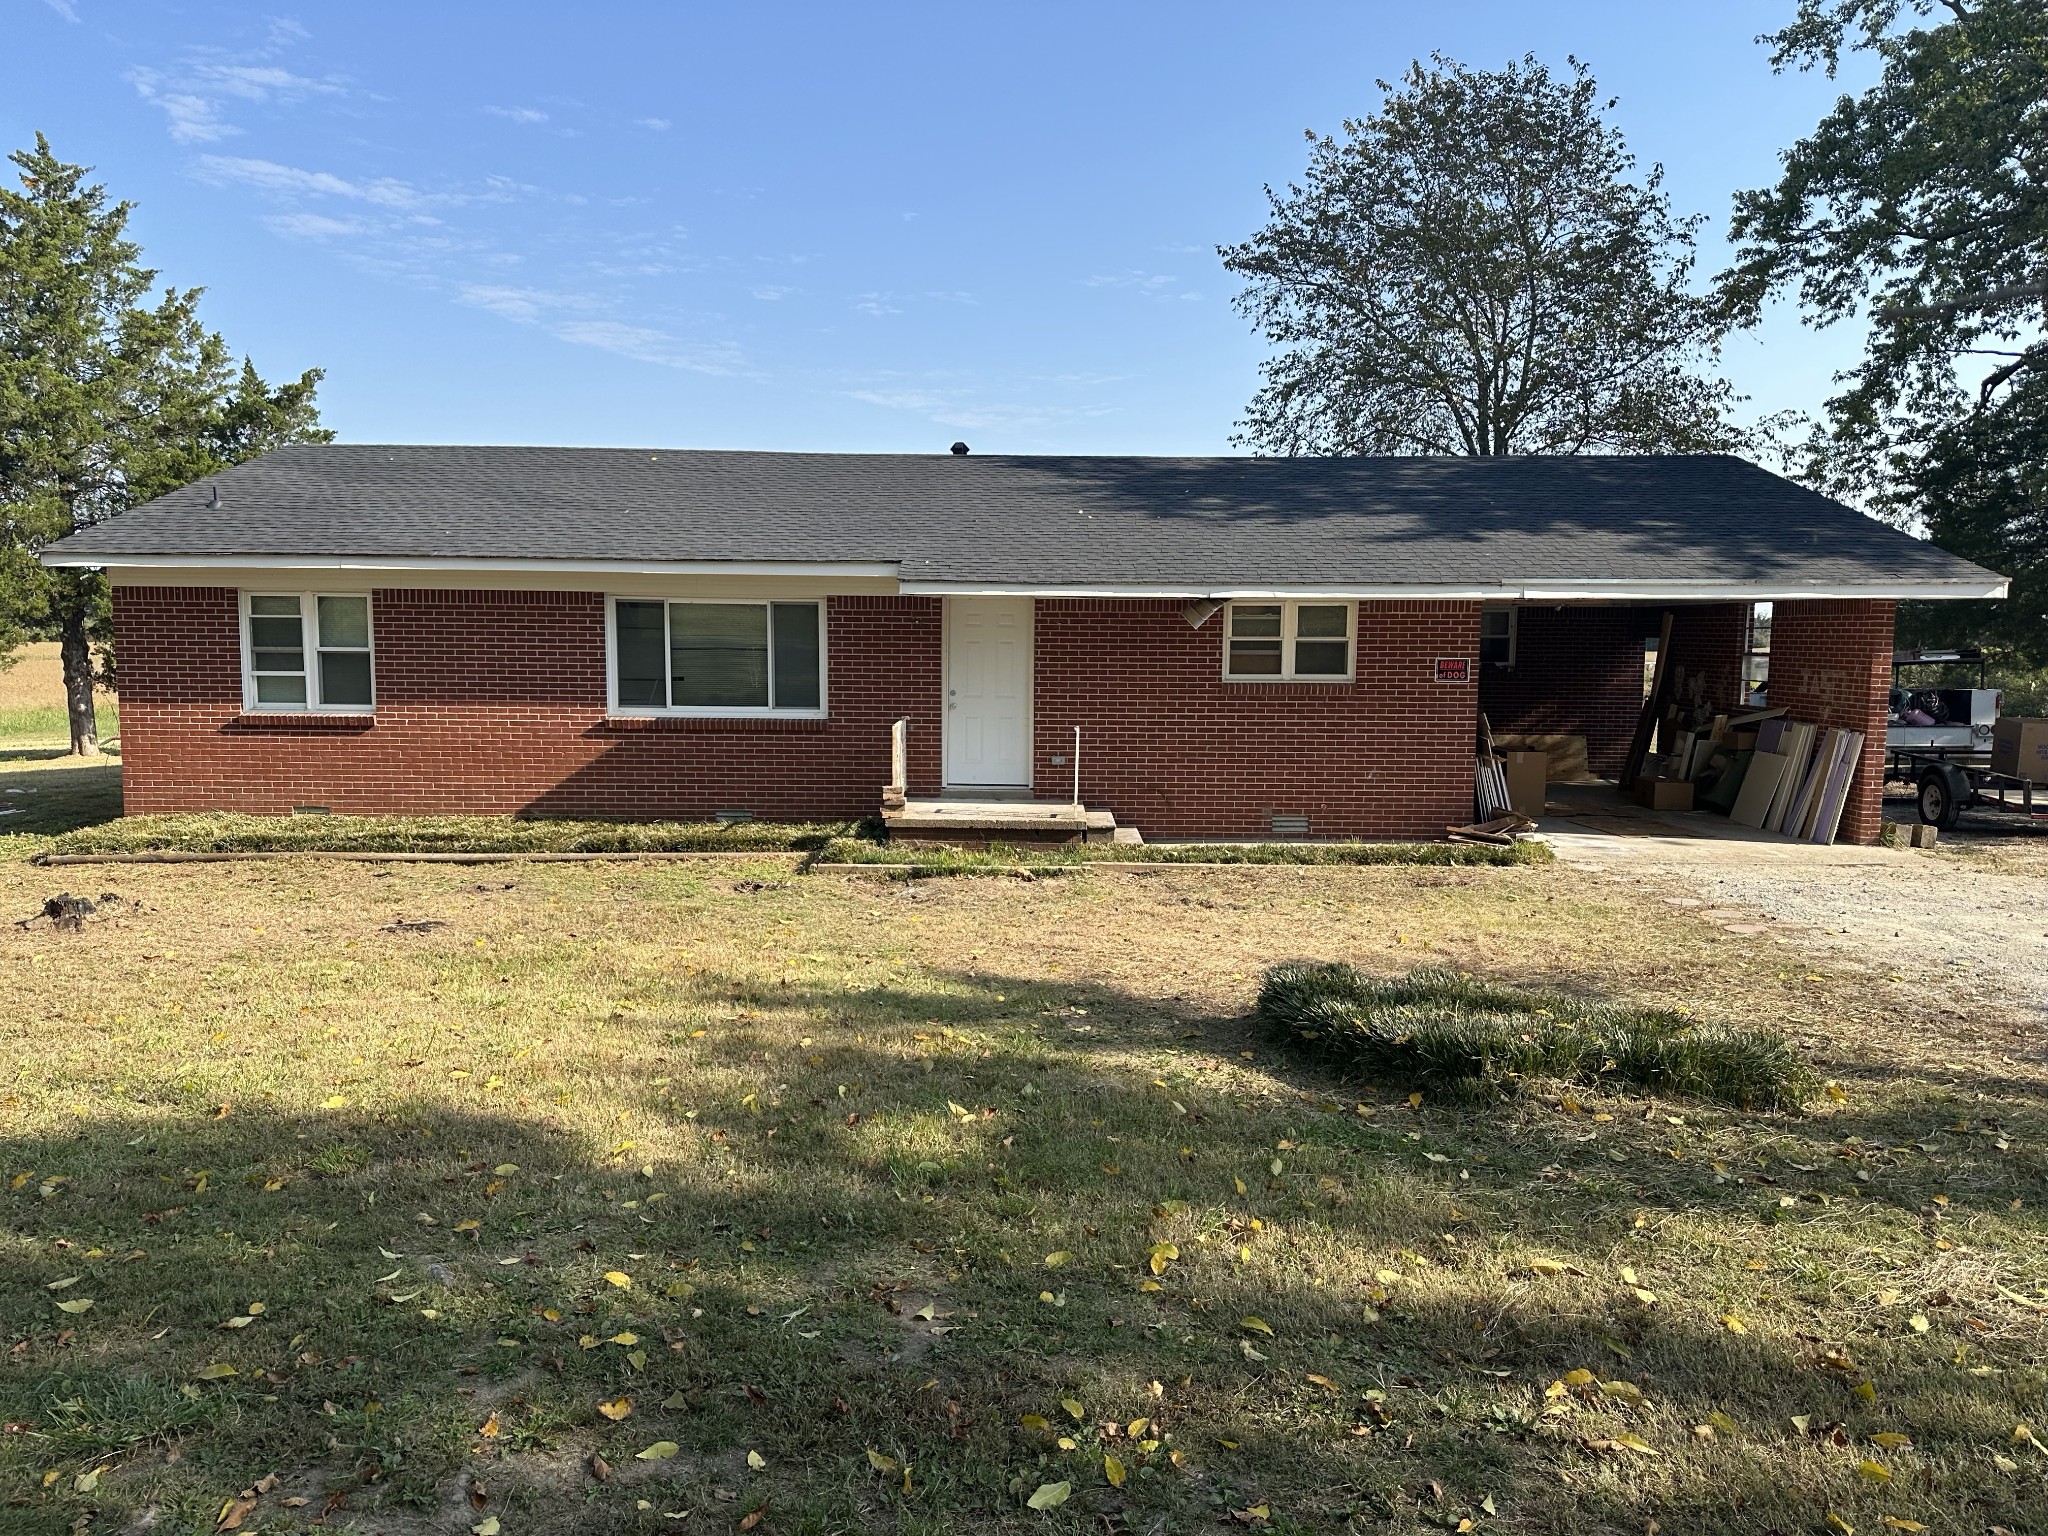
32	699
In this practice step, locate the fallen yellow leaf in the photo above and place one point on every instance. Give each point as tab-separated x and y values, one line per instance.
616	1409
1050	1495
1256	1325
661	1450
619	1278
1113	1469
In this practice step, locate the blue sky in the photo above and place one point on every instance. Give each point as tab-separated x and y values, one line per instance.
824	226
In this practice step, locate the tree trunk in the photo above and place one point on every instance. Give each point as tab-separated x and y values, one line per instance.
76	650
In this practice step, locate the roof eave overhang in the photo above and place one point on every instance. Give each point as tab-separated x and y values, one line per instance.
458	565
1560	590
1616	591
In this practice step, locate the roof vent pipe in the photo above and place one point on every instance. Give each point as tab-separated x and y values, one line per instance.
959	450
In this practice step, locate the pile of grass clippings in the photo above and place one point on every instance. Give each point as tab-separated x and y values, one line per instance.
230	833
1003	857
1456	1034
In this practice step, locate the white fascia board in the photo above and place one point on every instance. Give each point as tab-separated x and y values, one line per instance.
456	565
1468	591
1750	591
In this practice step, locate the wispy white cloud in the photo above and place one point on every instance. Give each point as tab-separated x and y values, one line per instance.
771	291
962	408
877	304
581	320
518	114
1150	285
195	92
658	124
65	9
291	181
313	226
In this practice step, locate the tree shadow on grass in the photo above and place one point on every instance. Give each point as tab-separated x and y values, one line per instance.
916	1235
49	801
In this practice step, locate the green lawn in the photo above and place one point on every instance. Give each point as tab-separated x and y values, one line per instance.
655	1197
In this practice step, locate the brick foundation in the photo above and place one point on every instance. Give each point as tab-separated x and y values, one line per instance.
1831	662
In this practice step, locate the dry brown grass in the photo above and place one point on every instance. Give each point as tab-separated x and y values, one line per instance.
246	1077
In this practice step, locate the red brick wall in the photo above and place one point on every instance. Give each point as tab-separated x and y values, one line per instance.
1577	672
1709	640
1831	662
1175	751
494	702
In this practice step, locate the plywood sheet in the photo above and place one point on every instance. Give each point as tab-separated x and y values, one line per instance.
1759	788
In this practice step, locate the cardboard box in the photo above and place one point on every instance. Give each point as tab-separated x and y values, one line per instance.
1528	773
1664	794
2020	747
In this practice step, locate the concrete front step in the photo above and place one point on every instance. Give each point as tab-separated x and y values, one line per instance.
977	823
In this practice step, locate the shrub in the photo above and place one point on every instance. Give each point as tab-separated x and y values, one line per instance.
1455	1033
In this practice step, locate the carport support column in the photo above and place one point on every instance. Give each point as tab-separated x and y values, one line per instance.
1831	661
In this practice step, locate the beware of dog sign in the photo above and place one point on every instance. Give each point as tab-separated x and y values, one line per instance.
1453	669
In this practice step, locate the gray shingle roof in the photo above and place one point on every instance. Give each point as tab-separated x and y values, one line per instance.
1196	523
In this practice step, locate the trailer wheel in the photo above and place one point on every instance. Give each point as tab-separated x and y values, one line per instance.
1944	791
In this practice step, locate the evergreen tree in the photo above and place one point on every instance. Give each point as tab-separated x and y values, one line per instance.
109	396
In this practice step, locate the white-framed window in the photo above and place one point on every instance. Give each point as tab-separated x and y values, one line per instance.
307	651
687	656
1497	629
1289	642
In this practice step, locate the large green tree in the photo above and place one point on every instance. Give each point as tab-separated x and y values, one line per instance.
1919	206
109	394
1479	269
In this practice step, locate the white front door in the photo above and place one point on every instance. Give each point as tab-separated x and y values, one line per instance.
988	691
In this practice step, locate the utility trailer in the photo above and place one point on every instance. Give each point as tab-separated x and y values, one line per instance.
1939	741
1950	781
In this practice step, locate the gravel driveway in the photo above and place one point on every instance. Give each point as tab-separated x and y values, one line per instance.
1897	911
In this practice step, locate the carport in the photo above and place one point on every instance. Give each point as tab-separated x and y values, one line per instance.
1581	669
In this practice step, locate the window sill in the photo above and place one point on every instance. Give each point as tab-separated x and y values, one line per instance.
627	724
303	720
1291	682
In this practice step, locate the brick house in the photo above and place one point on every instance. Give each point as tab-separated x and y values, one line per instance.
1242	644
